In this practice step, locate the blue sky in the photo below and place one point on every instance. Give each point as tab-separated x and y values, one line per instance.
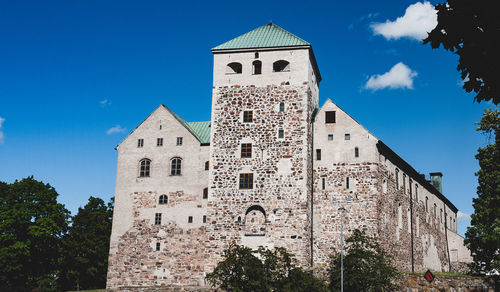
72	70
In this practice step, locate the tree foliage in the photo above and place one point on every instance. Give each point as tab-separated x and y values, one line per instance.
86	247
244	269
483	236
471	29
31	226
366	266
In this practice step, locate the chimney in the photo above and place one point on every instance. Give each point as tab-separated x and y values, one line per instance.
437	181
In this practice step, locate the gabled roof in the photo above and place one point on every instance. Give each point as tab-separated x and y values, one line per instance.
201	130
266	36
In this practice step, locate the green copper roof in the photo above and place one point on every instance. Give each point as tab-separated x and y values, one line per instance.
266	36
201	130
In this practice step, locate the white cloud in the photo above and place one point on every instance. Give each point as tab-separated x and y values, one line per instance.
115	129
105	102
419	19
1	132
400	76
461	216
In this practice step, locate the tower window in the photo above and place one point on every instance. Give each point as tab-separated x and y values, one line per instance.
256	55
282	106
163	200
257	67
356	152
234	68
140	143
205	193
281	66
435	210
190	219
246	150
318	154
404	183
330	117
397	178
207	165
323	183
347	182
247	116
426	204
330	137
159	142
179	141
246	180
175	166
158	245
281	133
204	218
347	136
158	219
144	168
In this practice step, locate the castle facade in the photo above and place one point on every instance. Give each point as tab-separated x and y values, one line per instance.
271	168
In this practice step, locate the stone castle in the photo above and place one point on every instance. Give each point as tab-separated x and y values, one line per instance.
270	168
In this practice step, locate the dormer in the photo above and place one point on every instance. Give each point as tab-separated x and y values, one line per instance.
267	55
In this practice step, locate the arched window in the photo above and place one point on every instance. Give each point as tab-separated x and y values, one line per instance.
163	200
207	165
234	68
175	166
257	67
255	221
281	66
145	167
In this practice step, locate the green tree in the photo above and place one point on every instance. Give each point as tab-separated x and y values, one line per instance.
31	227
86	247
483	236
244	269
366	266
471	29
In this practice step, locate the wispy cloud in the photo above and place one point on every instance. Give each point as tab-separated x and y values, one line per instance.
1	132
115	129
400	76
419	19
105	102
461	216
361	19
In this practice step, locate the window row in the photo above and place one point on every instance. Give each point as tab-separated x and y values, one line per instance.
237	68
175	167
189	219
318	153
159	142
163	199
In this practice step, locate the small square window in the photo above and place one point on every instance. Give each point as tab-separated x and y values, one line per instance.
247	116
190	219
347	137
330	137
246	180
159	142
318	154
204	218
281	133
179	141
158	245
140	143
246	150
158	219
330	117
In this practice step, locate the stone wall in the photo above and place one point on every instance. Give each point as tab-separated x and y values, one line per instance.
417	283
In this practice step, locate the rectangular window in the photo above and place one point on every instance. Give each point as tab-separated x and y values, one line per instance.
246	180
246	150
346	182
282	107
179	141
397	178
190	219
330	137
158	219
318	154
204	218
404	183
205	193
410	182
356	152
347	136
323	183
330	117
247	116
159	142
140	143
157	246
281	133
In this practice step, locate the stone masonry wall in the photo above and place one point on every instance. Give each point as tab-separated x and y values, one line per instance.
279	166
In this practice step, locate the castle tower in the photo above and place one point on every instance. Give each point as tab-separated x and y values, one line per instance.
265	91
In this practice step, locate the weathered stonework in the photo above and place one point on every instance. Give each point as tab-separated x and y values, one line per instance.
172	224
